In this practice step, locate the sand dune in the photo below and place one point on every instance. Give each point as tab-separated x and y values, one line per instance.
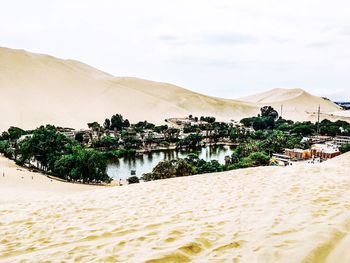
297	103
270	214
18	184
343	113
37	89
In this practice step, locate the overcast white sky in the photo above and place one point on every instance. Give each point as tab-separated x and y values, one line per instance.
225	48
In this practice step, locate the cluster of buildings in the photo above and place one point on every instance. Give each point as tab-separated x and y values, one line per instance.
322	148
144	137
186	121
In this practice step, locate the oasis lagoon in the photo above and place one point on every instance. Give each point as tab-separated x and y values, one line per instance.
125	167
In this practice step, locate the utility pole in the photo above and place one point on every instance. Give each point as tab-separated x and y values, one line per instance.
318	119
281	111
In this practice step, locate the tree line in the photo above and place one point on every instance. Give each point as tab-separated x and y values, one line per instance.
49	150
271	134
52	152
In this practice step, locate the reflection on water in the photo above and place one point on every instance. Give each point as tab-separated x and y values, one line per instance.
121	169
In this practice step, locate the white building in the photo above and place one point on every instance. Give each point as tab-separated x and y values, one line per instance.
341	140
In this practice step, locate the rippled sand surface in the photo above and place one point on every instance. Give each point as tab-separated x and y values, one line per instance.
295	214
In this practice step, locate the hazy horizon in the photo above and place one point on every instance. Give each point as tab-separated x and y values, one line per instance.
225	49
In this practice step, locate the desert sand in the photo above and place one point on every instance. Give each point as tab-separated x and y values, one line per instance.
266	214
297	104
39	89
343	113
18	184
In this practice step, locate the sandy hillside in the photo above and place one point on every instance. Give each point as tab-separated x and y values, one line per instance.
297	103
270	214
343	113
38	89
18	184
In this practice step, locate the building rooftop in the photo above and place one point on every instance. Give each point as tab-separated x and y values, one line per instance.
324	148
296	150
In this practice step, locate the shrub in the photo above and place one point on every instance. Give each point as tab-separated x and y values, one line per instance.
259	159
209	167
268	111
4	146
191	141
106	142
133	180
183	168
344	148
148	177
82	164
79	137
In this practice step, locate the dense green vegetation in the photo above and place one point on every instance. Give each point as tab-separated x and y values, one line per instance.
84	158
208	119
5	148
345	148
52	152
326	127
191	141
206	129
82	165
117	122
193	165
259	137
169	169
250	153
133	180
45	146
